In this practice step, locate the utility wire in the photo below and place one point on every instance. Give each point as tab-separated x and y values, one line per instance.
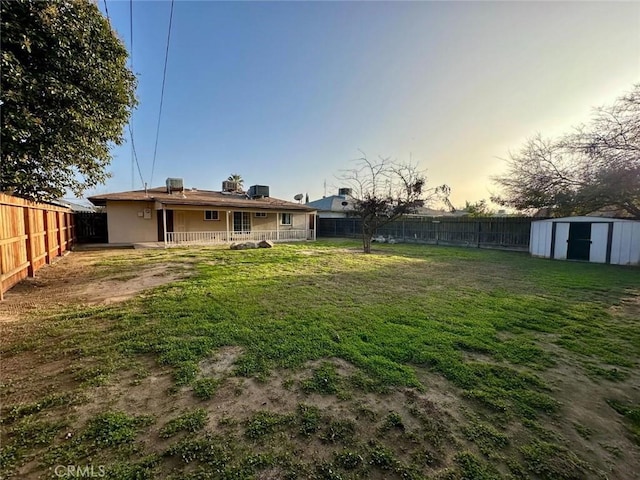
134	155
106	9
133	152
164	77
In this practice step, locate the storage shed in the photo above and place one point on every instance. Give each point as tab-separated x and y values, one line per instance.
593	239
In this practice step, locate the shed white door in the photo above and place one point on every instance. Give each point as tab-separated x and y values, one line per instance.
562	237
599	240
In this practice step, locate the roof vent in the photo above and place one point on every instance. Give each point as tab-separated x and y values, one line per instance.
175	185
345	192
258	191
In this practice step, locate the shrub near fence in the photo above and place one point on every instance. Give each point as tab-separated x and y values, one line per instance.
31	235
509	233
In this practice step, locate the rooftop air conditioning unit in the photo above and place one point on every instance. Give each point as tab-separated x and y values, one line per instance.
258	191
175	185
345	192
229	186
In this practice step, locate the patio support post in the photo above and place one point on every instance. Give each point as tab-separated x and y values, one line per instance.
164	225
315	225
278	226
228	235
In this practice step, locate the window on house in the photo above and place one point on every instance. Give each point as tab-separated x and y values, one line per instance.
211	215
285	219
261	214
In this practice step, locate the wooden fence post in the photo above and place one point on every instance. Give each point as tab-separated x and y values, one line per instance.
28	231
1	274
72	233
47	236
60	232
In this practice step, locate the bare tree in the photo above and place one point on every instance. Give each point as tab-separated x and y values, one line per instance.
596	166
384	190
542	174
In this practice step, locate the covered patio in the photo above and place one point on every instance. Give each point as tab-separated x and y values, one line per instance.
181	225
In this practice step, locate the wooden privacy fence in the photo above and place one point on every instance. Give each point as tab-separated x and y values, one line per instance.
510	233
31	235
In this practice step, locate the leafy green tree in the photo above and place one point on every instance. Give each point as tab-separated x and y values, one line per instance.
66	95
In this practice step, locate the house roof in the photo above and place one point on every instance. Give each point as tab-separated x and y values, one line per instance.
74	206
332	204
205	198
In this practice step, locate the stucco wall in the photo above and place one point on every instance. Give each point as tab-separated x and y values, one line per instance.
263	223
126	226
193	221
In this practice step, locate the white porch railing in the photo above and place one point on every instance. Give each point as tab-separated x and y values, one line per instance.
210	238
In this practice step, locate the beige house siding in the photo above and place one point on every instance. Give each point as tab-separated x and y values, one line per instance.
263	223
127	223
194	221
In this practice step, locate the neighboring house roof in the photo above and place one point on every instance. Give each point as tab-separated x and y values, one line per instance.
205	198
334	203
432	212
73	206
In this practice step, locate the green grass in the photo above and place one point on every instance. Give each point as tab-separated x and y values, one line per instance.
191	421
492	324
205	388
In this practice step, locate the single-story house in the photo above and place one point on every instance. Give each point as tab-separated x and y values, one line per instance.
334	206
592	239
178	216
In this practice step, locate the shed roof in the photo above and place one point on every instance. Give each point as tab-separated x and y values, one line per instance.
592	219
205	198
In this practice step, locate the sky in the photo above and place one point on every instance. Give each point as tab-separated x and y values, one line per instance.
288	94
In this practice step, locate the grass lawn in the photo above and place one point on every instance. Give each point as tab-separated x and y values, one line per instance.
317	361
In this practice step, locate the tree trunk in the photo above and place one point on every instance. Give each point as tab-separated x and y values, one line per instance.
366	242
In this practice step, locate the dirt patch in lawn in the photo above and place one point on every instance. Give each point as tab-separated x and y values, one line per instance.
590	425
237	400
630	305
81	278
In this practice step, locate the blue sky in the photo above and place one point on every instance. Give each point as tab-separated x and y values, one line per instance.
285	93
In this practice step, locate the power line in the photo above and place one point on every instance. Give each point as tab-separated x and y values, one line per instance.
131	66
106	9
134	155
164	76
